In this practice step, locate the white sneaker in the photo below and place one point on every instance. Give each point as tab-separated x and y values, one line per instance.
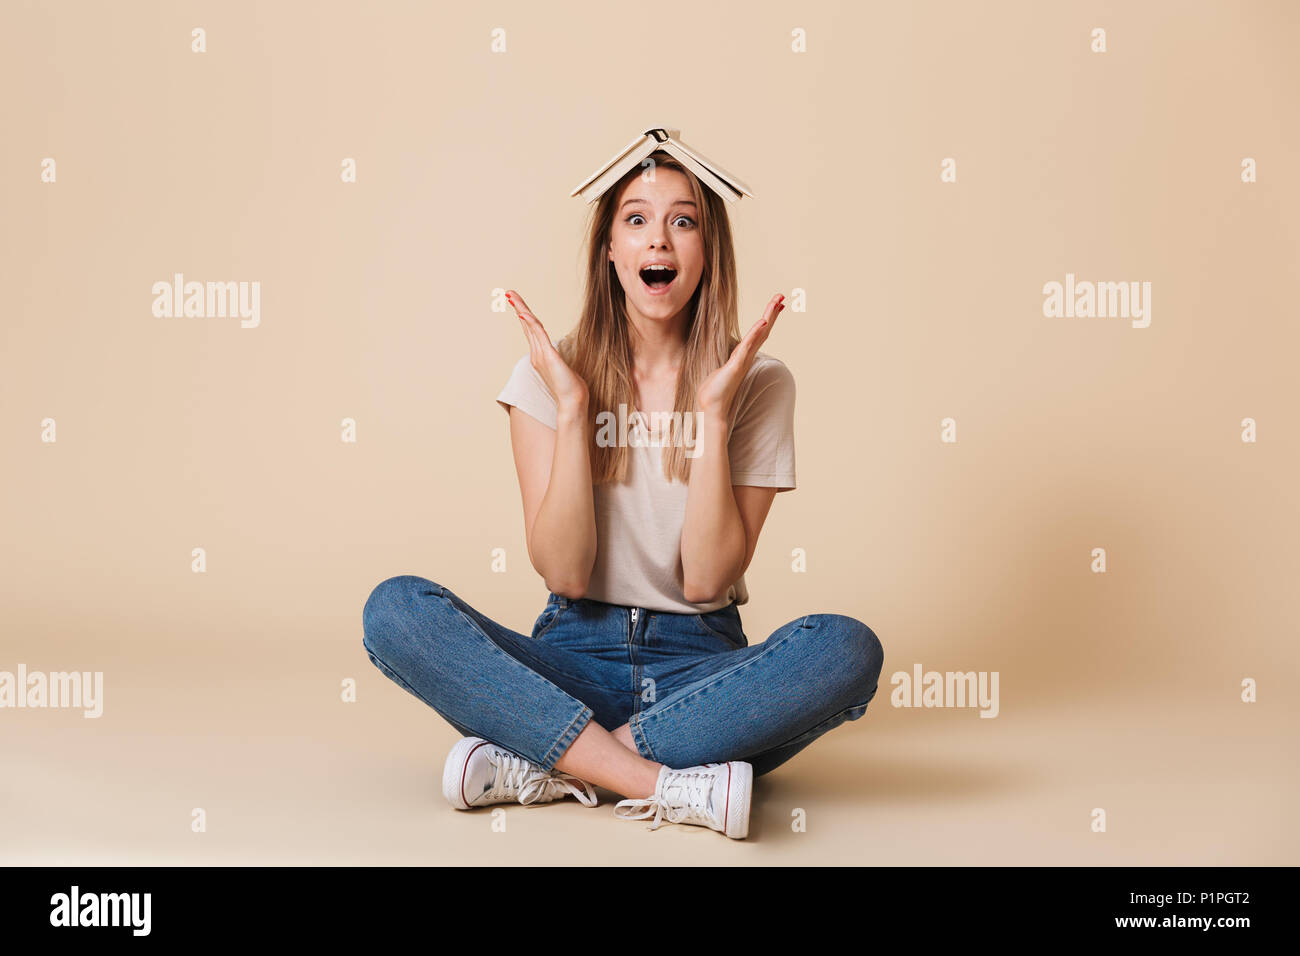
479	773
715	795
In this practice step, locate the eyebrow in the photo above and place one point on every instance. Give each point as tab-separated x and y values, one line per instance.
679	202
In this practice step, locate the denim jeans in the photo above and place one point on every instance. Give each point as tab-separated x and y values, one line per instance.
689	686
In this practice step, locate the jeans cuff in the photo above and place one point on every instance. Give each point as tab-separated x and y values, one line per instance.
568	737
639	738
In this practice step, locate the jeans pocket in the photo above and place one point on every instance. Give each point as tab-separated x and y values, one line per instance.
725	624
555	606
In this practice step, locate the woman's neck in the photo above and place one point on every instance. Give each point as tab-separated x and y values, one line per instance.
657	346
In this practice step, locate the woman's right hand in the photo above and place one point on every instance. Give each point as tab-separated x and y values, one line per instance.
569	389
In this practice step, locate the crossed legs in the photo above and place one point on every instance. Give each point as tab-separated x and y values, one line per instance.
761	705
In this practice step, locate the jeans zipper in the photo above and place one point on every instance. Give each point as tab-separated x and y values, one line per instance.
636	666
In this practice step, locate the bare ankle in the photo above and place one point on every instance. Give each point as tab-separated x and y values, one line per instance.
624	736
599	757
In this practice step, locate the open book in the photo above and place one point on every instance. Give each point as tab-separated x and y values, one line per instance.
669	140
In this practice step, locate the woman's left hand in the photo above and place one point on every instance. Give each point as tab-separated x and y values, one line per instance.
716	392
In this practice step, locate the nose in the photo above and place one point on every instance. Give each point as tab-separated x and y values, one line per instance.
658	235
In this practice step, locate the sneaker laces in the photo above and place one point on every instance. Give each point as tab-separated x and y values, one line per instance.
521	778
688	802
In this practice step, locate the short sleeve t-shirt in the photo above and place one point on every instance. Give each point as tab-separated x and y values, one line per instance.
639	521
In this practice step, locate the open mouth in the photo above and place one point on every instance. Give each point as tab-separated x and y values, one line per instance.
658	279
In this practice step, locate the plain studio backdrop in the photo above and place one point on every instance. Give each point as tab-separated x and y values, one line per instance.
224	691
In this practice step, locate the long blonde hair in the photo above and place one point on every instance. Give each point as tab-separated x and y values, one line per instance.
599	349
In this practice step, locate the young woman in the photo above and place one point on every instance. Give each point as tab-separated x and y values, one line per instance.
637	676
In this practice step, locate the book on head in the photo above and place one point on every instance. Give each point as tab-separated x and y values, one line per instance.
670	140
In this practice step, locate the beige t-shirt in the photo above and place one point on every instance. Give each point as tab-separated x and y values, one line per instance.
639	521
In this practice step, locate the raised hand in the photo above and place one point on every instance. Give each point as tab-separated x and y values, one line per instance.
716	392
569	389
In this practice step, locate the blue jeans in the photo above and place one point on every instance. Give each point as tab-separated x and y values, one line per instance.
689	686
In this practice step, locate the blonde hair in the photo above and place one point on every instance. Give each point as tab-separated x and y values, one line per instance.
599	349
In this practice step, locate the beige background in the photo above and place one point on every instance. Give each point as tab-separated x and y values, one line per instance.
1118	690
